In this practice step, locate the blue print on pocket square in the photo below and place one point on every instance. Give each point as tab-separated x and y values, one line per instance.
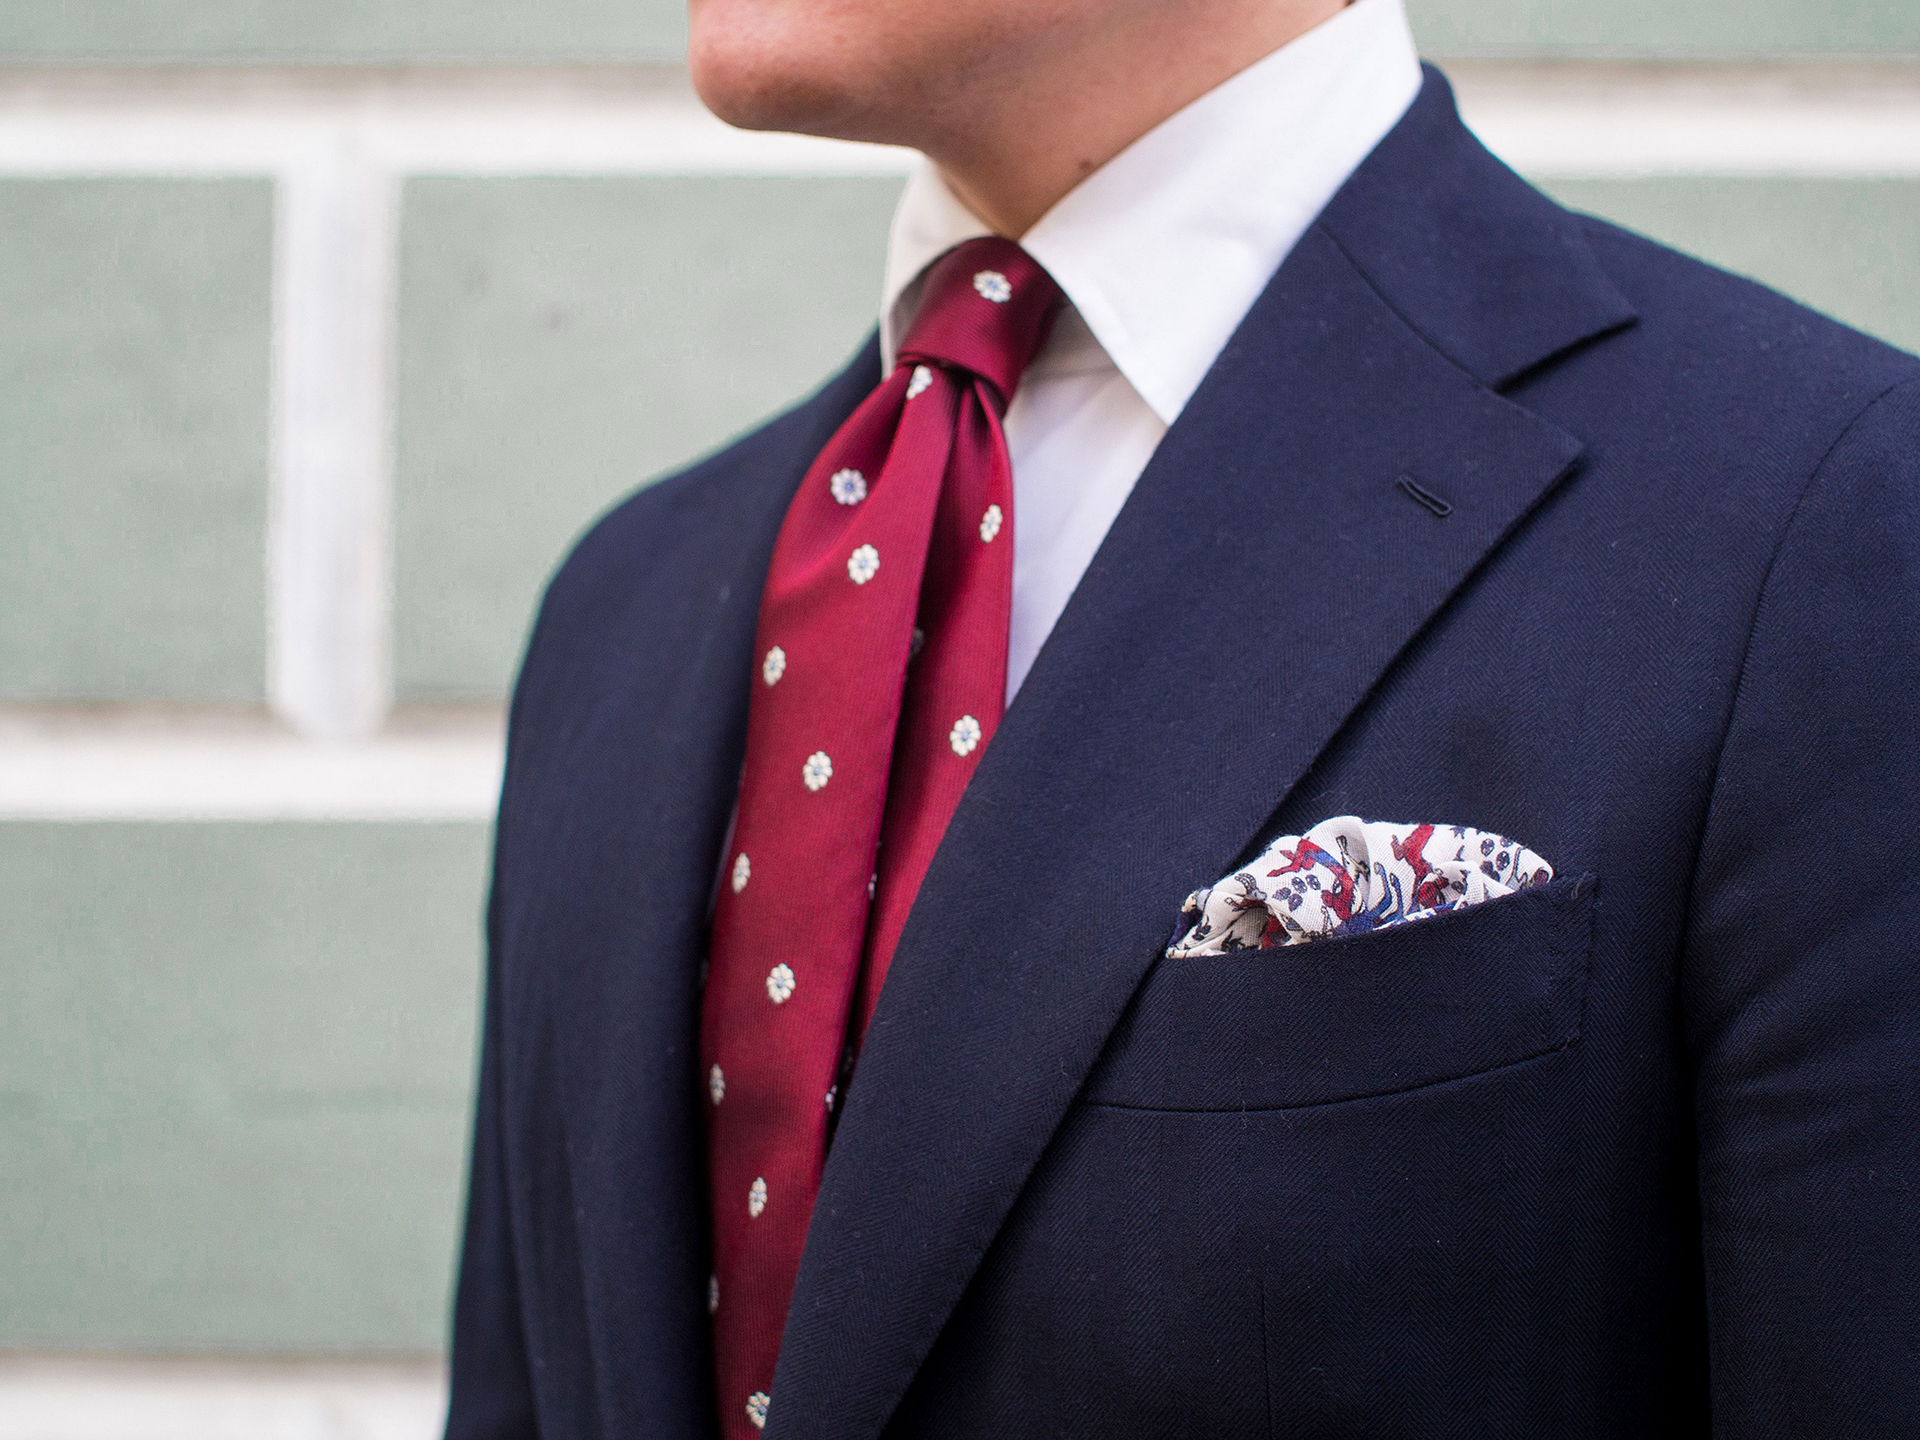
1346	876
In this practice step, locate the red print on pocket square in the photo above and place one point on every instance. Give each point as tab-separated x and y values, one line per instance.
1347	876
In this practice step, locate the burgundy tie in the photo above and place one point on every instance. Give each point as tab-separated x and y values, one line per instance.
881	674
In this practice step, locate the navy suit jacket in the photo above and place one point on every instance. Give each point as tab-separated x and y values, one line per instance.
1634	1154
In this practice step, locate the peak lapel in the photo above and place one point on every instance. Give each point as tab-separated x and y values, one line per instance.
1266	570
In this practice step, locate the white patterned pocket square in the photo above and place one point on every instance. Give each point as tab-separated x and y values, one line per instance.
1347	876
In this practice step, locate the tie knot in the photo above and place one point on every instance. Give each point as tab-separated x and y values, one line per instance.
986	307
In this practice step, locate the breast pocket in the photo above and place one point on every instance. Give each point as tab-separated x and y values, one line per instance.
1411	1005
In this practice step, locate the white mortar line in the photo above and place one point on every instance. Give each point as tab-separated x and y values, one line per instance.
105	1398
513	137
1543	126
329	530
1599	141
219	775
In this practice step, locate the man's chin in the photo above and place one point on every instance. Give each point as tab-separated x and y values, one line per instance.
768	87
756	105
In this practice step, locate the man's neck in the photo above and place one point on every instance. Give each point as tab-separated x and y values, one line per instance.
1033	133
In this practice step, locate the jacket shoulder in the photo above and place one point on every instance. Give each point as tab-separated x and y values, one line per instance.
648	542
1718	403
1697	314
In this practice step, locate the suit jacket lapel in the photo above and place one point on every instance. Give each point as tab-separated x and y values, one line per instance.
612	821
1267	569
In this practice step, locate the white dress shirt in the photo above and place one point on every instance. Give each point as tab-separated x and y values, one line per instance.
1161	253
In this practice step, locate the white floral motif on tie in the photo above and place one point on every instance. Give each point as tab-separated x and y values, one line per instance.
849	486
818	770
863	564
716	1084
757	1198
993	286
922	378
990	523
757	1404
964	735
742	872
774	666
779	984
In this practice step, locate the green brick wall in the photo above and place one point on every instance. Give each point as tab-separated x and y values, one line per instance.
234	1069
133	437
344	31
1665	30
655	30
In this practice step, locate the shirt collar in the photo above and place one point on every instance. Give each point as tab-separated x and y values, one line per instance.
1164	249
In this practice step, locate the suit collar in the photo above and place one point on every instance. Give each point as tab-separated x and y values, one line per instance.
1264	574
1488	270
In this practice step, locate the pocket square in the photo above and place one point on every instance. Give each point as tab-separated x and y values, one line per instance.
1347	876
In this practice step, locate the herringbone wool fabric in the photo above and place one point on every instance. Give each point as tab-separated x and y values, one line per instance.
881	675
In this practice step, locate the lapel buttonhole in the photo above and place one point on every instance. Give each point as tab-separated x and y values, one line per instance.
1422	496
